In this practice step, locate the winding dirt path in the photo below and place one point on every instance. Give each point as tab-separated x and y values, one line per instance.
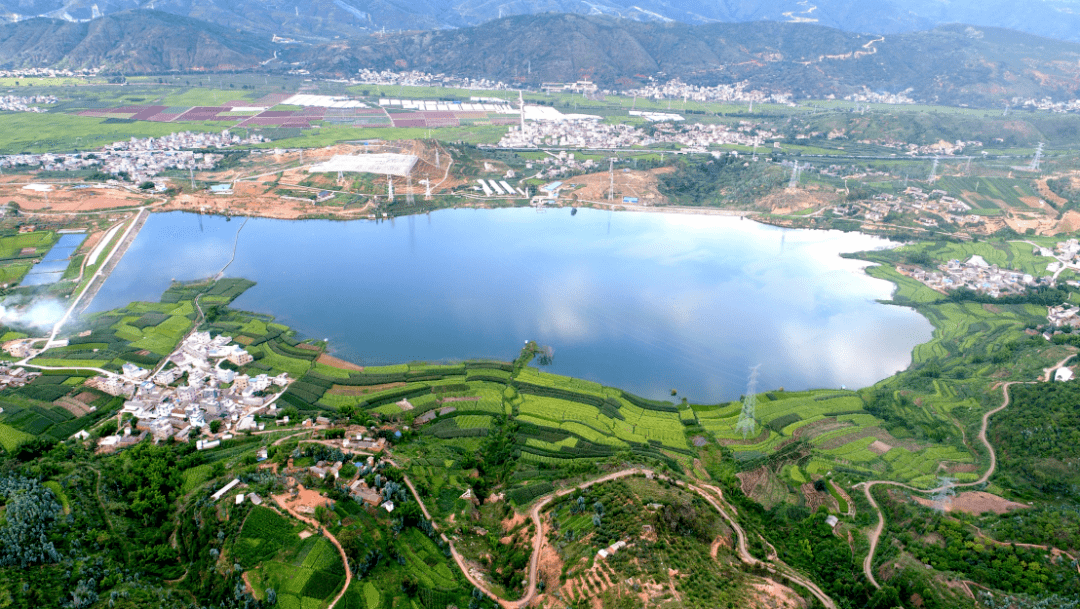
713	495
333	540
875	535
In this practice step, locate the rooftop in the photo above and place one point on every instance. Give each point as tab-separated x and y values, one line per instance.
383	164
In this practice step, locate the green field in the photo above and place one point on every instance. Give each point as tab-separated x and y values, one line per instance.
10	437
984	192
41	240
57	132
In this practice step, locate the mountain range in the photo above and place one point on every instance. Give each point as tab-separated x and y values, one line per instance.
315	20
950	64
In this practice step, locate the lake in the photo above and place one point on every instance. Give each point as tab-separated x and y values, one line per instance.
647	302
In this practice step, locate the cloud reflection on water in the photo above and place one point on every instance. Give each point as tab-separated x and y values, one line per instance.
647	302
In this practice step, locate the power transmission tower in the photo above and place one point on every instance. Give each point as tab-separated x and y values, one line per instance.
933	170
1038	157
747	421
409	193
794	177
944	494
390	187
521	102
611	176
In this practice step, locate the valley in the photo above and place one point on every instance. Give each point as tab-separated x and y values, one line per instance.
569	311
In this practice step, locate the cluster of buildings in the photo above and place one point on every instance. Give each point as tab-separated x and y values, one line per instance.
976	275
48	73
164	408
17	103
676	89
594	134
1063	315
15	376
942	147
927	206
1067	253
572	134
582	86
186	140
1073	105
939	148
563	163
140	160
416	78
698	137
875	97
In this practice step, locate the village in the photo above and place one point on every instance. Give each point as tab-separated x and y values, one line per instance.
977	275
928	207
48	73
416	78
16	103
139	160
597	135
676	89
196	392
981	277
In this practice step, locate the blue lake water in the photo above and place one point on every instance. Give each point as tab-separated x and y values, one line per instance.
643	301
52	267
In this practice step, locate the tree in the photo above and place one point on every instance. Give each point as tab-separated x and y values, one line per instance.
107	428
215	425
32	449
147	185
885	598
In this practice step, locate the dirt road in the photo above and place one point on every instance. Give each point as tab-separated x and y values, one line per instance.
714	496
333	540
875	535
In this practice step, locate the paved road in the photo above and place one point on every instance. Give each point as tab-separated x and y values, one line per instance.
875	535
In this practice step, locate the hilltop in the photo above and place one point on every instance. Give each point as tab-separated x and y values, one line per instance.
133	41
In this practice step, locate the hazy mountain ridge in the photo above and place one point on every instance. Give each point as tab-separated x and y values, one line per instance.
327	19
953	64
956	64
139	41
